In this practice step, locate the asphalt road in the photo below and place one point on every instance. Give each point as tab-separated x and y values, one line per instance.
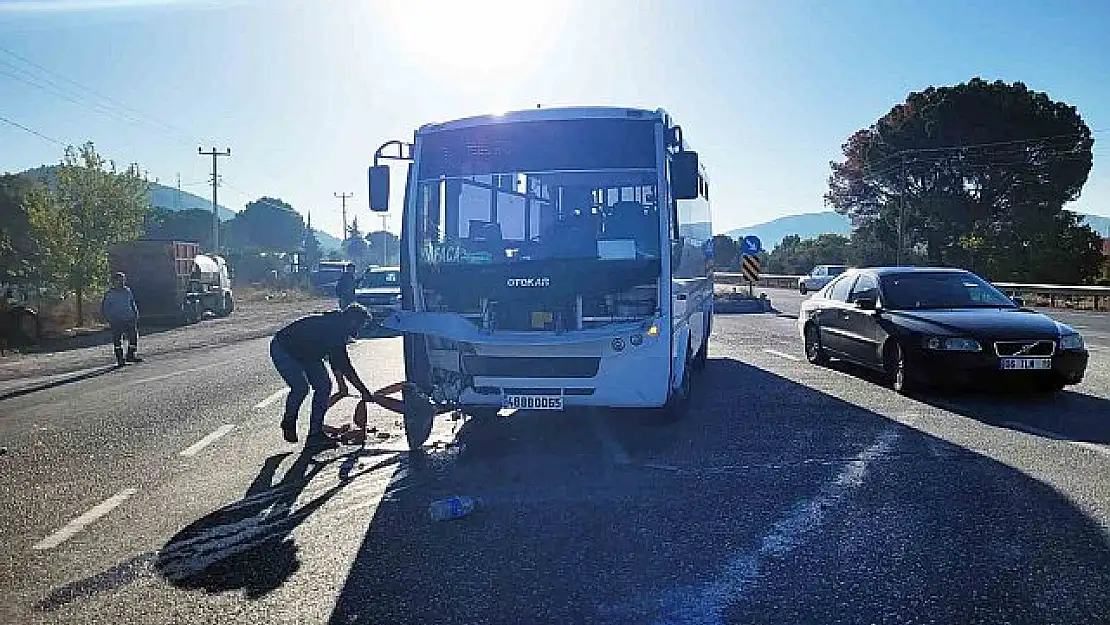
163	493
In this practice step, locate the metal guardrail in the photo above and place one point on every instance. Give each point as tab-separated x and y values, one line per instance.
1100	294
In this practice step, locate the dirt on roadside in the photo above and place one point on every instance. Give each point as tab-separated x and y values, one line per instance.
251	319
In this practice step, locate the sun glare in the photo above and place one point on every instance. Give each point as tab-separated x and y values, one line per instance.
473	38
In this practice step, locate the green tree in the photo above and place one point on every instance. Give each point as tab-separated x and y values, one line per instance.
19	251
185	225
94	206
267	224
795	256
355	246
973	175
384	248
726	252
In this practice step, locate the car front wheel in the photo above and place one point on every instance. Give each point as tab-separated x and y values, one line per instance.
815	354
899	371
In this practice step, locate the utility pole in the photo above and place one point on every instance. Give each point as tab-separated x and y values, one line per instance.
901	207
177	198
344	197
215	183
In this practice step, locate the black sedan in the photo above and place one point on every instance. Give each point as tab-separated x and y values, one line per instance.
934	326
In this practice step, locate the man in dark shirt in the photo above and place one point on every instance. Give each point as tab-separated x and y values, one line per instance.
345	287
299	351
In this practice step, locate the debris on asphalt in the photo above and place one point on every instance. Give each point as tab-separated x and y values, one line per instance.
454	507
3	450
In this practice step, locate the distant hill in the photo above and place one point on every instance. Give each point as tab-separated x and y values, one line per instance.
1100	224
327	242
169	198
807	226
161	196
810	225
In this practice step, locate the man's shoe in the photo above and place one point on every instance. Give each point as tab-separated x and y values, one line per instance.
319	440
289	431
134	358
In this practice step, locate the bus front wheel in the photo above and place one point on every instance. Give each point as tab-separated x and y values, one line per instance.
678	401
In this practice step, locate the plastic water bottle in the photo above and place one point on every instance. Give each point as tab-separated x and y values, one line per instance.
454	507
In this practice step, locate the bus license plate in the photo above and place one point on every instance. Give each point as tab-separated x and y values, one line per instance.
532	402
1025	364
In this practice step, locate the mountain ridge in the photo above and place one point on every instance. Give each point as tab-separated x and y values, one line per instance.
811	225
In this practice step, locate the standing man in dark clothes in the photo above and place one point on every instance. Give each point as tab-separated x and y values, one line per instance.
299	351
119	310
345	287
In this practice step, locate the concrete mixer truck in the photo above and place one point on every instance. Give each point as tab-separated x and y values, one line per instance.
172	281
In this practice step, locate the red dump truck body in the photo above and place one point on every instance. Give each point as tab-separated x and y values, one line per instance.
172	281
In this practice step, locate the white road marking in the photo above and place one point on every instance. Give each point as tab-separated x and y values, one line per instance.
196	447
265	403
775	352
610	443
707	604
1028	429
72	528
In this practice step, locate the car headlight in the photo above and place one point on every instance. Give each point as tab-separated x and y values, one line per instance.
1071	341
952	344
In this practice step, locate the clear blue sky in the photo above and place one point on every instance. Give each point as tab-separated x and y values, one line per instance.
303	91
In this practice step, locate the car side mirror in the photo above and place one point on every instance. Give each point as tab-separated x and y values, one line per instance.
379	188
1019	302
866	303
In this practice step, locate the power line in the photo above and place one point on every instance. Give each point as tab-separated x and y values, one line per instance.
30	130
138	116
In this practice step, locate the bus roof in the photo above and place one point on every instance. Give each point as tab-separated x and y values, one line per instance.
547	114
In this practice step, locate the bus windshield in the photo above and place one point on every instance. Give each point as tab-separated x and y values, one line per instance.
516	216
555	189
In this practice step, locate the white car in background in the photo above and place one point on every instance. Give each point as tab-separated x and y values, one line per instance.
821	275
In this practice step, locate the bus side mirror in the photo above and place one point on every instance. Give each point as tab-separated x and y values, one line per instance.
379	188
684	176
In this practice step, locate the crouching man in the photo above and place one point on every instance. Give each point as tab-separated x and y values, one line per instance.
299	350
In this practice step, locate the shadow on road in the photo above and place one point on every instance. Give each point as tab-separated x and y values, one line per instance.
771	502
1068	415
58	381
248	544
53	345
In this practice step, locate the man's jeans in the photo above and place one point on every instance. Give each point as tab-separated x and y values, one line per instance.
300	376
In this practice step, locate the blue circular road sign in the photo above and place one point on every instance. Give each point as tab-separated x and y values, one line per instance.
751	245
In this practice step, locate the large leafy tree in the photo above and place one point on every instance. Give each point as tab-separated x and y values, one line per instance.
268	224
355	246
187	225
19	252
975	175
93	206
795	256
385	248
726	252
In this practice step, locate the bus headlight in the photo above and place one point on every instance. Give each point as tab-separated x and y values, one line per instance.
618	344
653	329
636	340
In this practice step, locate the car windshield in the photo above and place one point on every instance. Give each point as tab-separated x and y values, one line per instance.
380	279
836	271
923	290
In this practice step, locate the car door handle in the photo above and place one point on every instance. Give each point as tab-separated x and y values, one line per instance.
680	297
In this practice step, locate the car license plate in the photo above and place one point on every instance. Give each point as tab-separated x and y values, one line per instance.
1025	364
532	402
